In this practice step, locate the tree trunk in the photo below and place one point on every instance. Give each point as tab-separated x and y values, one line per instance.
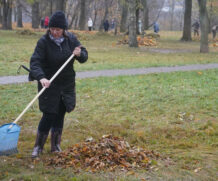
7	11
35	15
137	21
59	5
95	14
76	23
145	15
19	14
9	19
14	12
50	6
204	26
82	19
187	21
75	14
0	14
132	24
124	16
95	17
172	14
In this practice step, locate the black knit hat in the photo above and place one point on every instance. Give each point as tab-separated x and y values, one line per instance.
58	20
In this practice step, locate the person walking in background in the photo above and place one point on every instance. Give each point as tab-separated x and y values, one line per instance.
156	27
112	24
196	27
51	52
42	22
214	29
46	22
106	25
90	24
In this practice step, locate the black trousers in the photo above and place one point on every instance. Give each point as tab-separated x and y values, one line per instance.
53	121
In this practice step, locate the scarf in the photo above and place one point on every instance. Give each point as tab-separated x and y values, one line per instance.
57	41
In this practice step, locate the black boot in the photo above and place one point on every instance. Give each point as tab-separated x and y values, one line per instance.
56	139
39	144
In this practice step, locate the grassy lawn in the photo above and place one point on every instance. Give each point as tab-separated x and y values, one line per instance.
174	114
16	49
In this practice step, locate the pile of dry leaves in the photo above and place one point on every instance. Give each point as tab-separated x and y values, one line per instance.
108	153
215	43
142	41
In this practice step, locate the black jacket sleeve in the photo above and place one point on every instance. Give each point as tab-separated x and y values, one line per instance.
36	61
84	54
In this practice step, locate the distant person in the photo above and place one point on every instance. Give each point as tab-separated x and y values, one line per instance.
214	29
196	27
42	22
112	24
46	22
156	27
90	24
106	25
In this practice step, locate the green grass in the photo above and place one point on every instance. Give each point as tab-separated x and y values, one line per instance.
174	114
17	49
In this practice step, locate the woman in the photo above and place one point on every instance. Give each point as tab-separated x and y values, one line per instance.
52	50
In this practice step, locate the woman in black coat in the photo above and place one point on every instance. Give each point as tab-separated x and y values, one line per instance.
51	52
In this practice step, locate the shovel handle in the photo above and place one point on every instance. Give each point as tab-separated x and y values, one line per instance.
42	90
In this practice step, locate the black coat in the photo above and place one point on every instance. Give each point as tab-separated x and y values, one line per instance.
47	58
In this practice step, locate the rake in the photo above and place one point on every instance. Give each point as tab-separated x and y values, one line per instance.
9	133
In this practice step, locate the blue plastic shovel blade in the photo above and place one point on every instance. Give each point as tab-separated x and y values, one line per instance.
9	139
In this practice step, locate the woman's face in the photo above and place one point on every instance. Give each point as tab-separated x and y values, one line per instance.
56	32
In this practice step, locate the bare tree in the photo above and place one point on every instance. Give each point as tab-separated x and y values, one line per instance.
51	5
95	13
157	11
132	24
0	14
137	18
204	24
172	14
145	15
35	14
74	13
212	13
59	5
187	21
7	14
107	4
82	19
19	14
124	16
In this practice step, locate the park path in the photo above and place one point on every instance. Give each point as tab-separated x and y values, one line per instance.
117	72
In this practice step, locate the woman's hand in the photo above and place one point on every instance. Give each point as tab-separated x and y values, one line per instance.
45	82
77	51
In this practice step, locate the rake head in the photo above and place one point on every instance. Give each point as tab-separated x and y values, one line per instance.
9	139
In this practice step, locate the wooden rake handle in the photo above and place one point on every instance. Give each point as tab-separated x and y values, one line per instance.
42	90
